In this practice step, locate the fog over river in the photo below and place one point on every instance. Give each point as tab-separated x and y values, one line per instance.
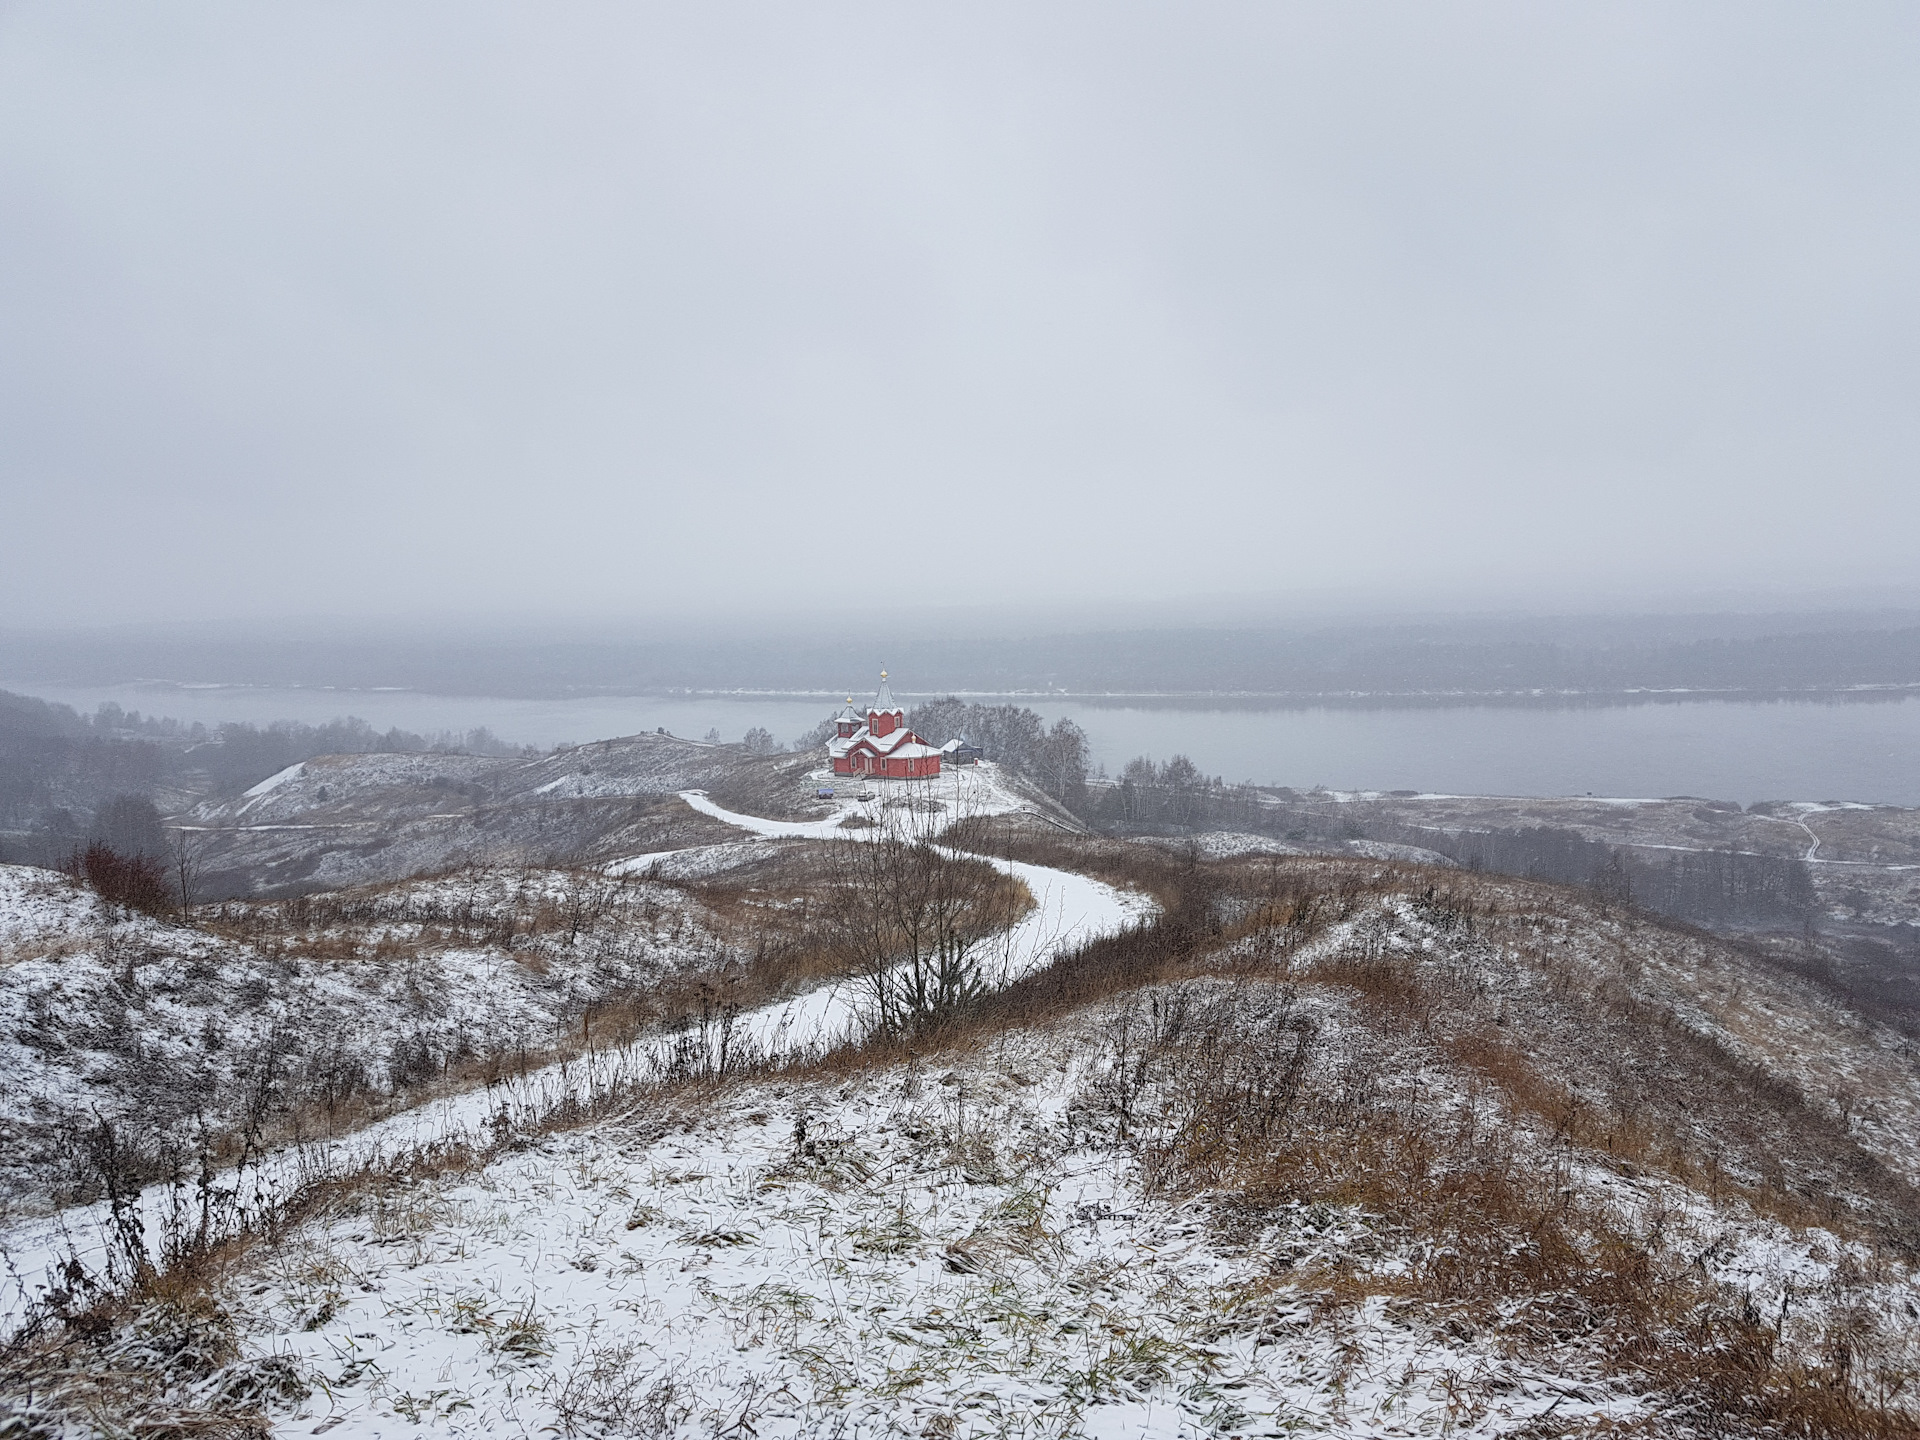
1744	751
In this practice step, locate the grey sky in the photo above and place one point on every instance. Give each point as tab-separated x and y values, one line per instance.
599	309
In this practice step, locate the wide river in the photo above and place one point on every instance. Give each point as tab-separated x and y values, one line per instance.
1744	751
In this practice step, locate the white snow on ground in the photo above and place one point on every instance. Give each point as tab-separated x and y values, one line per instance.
352	779
694	862
267	786
1228	845
276	780
966	792
926	1251
1407	854
1069	910
931	1255
948	1253
643	864
161	1029
832	828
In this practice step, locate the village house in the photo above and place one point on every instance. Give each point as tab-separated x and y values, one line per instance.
881	744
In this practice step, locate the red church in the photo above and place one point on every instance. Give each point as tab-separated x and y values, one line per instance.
881	744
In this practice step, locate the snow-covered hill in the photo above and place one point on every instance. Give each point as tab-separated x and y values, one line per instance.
265	1023
1337	1146
354	819
351	819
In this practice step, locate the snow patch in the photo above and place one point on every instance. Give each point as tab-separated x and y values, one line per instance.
276	780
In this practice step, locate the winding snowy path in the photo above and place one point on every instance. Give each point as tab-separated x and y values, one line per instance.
1069	910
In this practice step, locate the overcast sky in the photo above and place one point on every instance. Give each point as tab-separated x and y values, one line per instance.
367	309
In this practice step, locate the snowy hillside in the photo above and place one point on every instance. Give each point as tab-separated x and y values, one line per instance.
1330	1146
264	1023
354	819
350	819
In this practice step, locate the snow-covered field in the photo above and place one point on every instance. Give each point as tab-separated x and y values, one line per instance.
489	993
183	1039
973	1247
923	1253
1081	1227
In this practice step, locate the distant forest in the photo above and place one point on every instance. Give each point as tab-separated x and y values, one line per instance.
61	772
1430	662
1718	888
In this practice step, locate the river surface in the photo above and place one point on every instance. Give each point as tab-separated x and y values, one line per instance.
1723	750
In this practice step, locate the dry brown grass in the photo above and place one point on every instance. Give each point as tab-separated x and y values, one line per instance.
1238	1097
757	928
1507	1238
1232	1092
141	1345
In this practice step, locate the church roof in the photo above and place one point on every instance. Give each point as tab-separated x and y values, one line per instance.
899	742
884	700
887	744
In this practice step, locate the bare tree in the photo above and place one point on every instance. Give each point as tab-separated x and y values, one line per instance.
818	735
1056	759
1060	763
188	848
913	921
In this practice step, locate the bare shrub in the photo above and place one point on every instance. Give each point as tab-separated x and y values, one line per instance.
1237	1092
912	921
140	1345
133	882
411	1060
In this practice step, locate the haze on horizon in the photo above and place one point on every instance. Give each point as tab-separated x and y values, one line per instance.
610	311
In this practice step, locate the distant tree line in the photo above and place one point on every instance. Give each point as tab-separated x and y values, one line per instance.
1171	798
1707	887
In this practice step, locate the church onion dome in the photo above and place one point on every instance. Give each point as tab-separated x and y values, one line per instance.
883	701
